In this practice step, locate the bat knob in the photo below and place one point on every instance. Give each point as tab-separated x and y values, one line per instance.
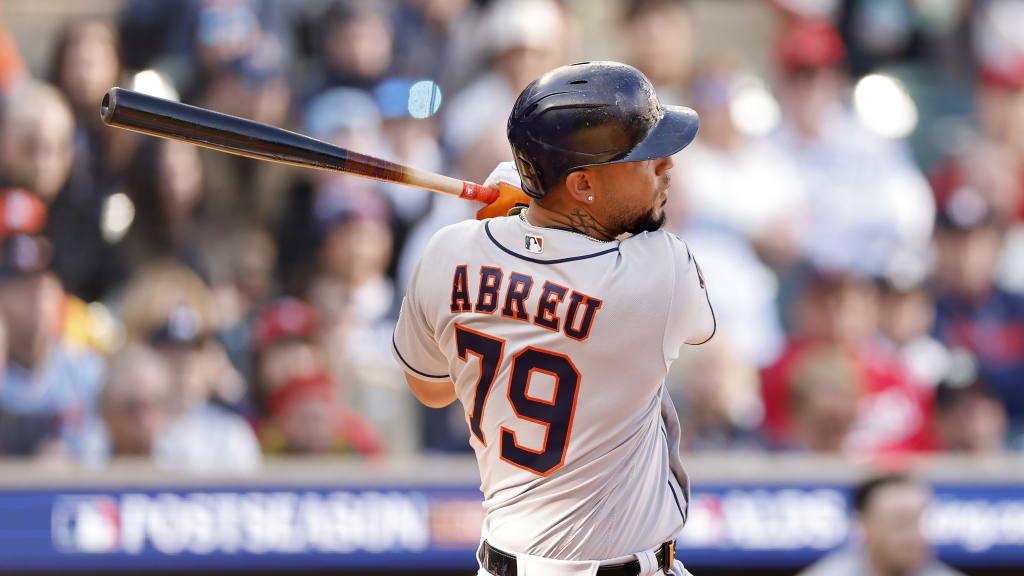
108	105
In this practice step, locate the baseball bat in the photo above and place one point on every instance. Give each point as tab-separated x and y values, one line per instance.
147	114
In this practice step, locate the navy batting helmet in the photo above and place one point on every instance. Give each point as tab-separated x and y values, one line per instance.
589	114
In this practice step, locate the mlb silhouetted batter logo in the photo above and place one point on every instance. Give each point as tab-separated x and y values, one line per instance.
534	244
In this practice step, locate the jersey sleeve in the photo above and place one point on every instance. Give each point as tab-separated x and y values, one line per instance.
691	320
415	343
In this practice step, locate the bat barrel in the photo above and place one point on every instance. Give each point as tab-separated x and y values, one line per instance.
168	119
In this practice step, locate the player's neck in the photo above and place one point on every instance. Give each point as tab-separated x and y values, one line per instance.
572	218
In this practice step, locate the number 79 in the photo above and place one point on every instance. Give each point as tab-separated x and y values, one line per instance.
555	415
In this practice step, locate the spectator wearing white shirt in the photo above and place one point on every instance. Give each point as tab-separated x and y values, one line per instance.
521	38
866	197
734	178
171	308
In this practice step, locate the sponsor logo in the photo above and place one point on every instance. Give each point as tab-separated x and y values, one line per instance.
534	243
241	522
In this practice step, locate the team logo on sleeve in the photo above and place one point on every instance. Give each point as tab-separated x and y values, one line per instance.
534	243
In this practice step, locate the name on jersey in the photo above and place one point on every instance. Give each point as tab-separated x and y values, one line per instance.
512	295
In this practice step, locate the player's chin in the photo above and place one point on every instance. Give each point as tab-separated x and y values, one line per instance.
651	221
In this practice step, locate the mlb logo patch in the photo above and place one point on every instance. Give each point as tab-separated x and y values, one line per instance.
534	243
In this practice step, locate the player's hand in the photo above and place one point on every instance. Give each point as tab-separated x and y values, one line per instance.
506	179
505	172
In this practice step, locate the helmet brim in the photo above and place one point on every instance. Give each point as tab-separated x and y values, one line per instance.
676	129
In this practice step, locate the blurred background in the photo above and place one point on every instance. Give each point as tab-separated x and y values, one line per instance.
195	346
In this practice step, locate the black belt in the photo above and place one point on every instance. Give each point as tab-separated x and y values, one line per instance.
501	563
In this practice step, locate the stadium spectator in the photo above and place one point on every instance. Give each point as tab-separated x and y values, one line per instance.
988	169
351	288
1000	80
434	40
218	33
990	159
411	136
135	406
716	393
522	39
659	38
906	318
914	35
823	388
167	306
890	540
242	281
44	376
355	46
970	416
349	118
36	145
972	311
241	191
166	186
863	191
305	416
23	435
840	310
285	346
85	65
738	202
734	179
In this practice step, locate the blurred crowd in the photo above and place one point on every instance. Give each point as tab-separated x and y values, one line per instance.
857	208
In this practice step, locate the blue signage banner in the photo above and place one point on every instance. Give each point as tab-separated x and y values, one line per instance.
438	527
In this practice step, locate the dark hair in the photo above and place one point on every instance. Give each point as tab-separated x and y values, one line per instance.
143	181
863	491
69	33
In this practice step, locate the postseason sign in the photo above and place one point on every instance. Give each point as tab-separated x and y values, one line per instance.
438	527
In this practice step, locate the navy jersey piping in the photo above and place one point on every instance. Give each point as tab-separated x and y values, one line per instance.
714	321
487	229
676	498
409	366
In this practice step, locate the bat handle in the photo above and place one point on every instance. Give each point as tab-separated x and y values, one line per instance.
478	193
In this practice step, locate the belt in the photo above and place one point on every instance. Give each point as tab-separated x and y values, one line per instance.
501	563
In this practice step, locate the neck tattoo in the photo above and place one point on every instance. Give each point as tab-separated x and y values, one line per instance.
582	222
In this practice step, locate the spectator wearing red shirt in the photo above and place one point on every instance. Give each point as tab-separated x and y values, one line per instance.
839	312
302	407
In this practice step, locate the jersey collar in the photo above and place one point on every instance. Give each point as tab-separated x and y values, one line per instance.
565	245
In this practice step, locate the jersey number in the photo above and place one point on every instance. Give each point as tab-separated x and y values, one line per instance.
555	415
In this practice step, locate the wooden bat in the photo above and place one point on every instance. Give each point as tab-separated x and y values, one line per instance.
168	119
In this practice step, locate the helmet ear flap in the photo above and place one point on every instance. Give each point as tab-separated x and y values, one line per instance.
530	177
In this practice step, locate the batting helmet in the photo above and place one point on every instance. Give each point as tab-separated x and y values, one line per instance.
589	114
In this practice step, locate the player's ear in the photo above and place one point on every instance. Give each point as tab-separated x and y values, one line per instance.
580	186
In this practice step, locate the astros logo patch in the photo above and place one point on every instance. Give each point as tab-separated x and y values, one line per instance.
534	243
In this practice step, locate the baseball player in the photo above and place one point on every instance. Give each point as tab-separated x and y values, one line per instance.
555	327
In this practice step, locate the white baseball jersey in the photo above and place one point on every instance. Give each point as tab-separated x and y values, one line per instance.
558	346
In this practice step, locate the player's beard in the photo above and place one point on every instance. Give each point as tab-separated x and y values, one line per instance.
646	222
